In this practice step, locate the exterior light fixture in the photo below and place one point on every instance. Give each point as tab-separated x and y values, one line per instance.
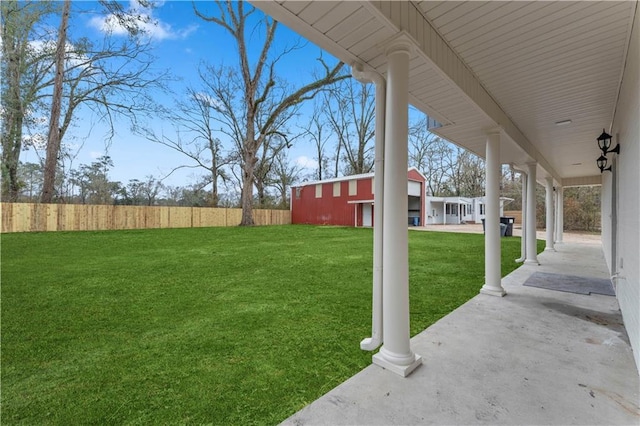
604	142
602	164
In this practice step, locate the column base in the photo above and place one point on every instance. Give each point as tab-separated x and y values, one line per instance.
549	249
401	370
370	344
532	262
493	291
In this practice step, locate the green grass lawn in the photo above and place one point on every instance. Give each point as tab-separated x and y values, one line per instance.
206	326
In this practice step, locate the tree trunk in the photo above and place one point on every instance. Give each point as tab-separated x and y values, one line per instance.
247	191
12	123
11	158
53	142
260	192
215	174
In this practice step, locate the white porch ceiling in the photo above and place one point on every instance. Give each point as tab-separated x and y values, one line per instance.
520	65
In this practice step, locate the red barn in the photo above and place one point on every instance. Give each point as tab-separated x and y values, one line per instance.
348	200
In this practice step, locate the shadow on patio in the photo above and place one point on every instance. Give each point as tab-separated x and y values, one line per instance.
536	356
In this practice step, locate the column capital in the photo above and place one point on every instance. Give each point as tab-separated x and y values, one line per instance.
400	43
493	131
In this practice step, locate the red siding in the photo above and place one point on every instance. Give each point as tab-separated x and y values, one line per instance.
330	210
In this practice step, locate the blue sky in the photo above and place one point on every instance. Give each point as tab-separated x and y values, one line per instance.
181	41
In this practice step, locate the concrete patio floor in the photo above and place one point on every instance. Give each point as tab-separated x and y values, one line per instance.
535	356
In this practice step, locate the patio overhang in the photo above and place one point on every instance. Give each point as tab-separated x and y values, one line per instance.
532	69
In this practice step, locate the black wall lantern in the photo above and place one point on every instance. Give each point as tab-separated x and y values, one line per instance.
602	164
604	142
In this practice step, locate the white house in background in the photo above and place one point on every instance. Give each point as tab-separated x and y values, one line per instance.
457	210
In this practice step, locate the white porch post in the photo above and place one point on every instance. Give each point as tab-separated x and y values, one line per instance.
559	214
550	217
492	275
373	342
523	213
395	354
531	237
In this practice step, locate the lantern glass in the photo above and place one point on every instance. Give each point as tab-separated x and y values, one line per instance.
604	141
602	162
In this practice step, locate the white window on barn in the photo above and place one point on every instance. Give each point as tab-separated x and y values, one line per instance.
319	190
353	187
336	189
298	191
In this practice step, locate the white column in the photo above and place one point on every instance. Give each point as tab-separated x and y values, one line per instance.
532	249
560	214
523	213
492	274
373	342
395	354
550	217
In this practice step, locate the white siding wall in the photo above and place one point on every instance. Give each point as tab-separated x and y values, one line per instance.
627	125
605	217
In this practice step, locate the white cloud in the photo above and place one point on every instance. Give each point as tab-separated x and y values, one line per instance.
206	99
37	141
146	22
306	162
72	58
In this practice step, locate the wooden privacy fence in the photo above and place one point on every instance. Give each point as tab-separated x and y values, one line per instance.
23	217
514	213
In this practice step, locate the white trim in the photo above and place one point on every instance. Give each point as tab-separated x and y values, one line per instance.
354	177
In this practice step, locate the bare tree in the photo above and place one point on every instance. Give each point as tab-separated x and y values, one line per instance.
282	176
196	136
144	192
114	79
54	134
350	111
317	130
430	154
467	174
270	149
253	104
22	72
